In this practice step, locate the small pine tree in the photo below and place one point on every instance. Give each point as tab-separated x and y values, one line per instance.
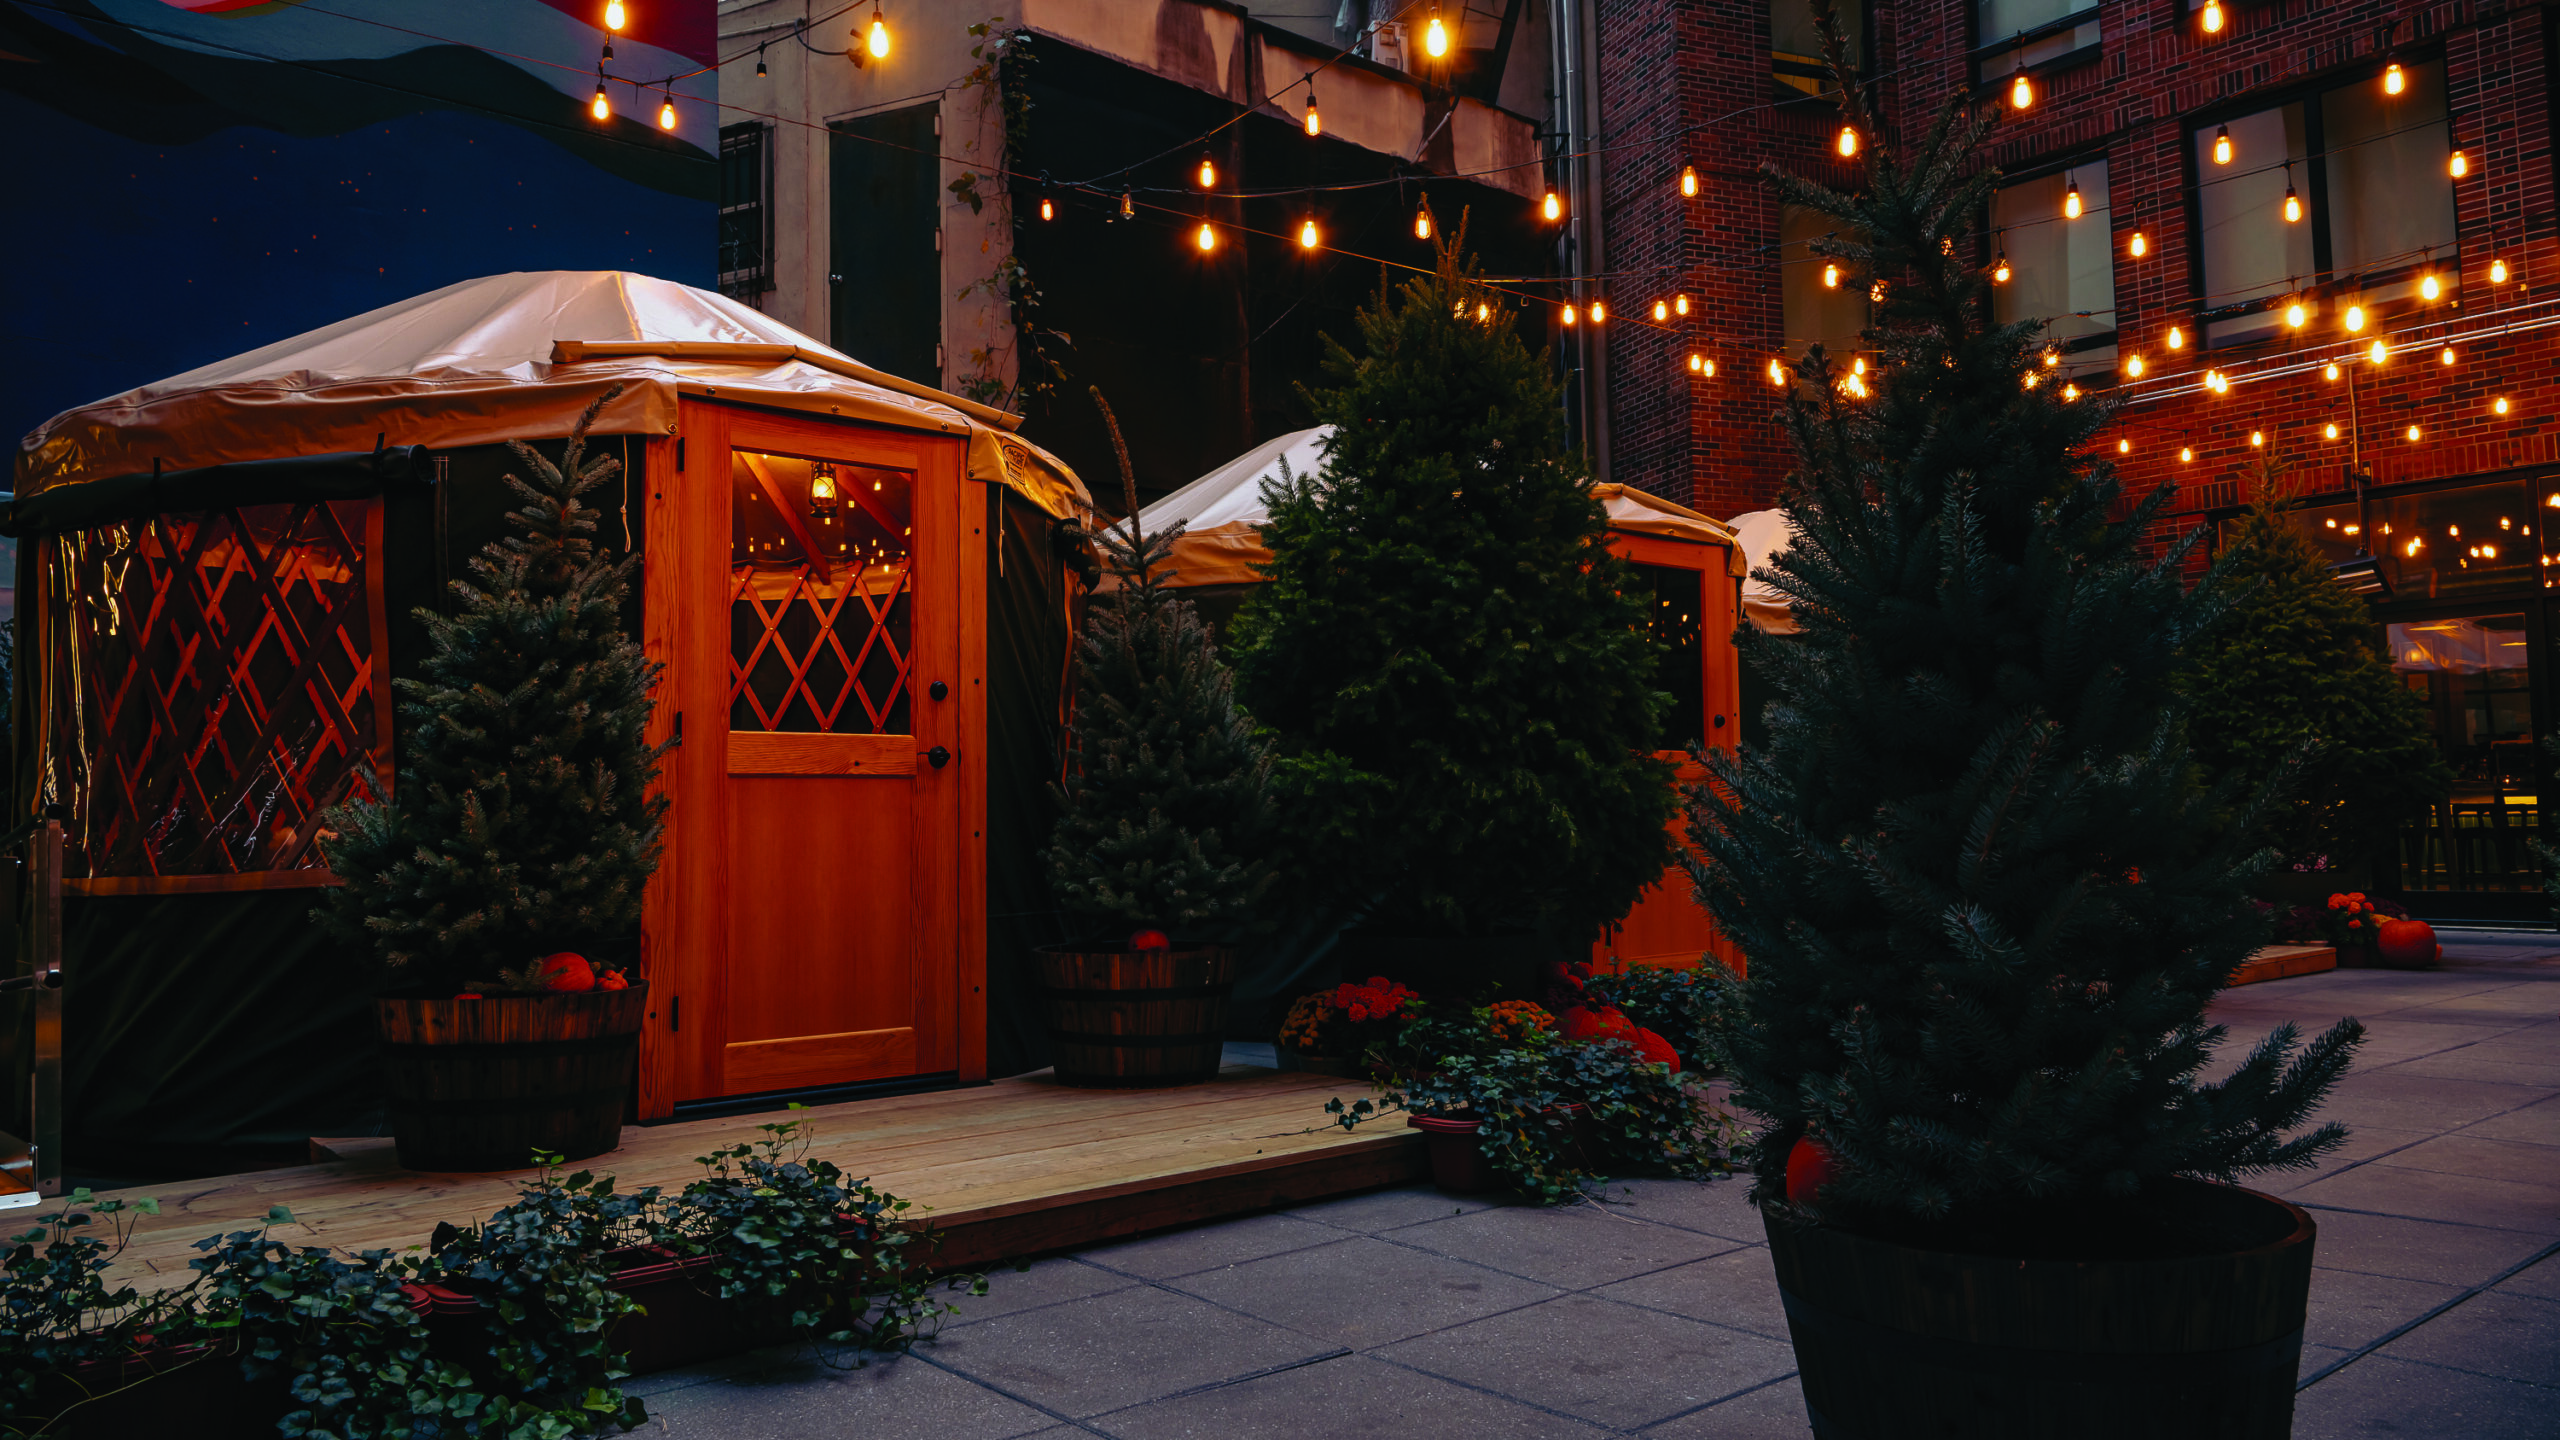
1984	898
1452	660
2294	663
1166	815
523	822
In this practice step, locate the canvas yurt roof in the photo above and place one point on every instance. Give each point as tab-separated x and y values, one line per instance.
1224	513
1760	535
511	357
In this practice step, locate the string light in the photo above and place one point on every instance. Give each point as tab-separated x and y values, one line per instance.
1206	237
2133	367
1483	311
2070	392
2355	318
2258	438
2139	245
1848	142
1128	208
2447	356
2212	17
1308	238
1661	311
2124	447
615	17
879	41
2021	94
2499	405
2498	270
1422	222
2330	430
2186	455
1048	208
1680	304
2394	80
1599	312
1689	182
2378	353
2428	289
2292	201
1777	373
600	107
1555	206
2413	434
2295	314
2459	165
1435	36
1315	125
666	111
1207	173
2052	358
2071	202
1831	276
1697	363
760	72
2177	339
1568	315
2330	371
2222	146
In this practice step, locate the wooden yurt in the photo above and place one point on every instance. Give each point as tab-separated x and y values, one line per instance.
859	587
1692	565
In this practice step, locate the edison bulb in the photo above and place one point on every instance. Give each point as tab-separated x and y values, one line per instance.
2295	315
2000	271
1208	174
1599	312
2355	318
2139	245
2133	367
1422	223
600	107
1555	206
2124	447
1689	181
2212	19
2458	166
2330	372
2413	432
2428	289
1435	38
1206	237
2070	392
1570	315
1315	125
1697	363
2185	454
2292	206
1848	141
666	114
2052	358
2498	270
2021	94
1661	310
2177	338
879	42
2330	430
1048	208
2394	79
1483	311
1777	373
2222	146
615	17
2499	405
1307	236
1680	304
2447	356
2377	354
1831	277
2258	437
2071	202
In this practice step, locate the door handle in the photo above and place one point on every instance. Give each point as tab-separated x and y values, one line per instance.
937	757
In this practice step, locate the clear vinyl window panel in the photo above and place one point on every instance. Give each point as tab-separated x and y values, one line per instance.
1834	317
821	596
2061	271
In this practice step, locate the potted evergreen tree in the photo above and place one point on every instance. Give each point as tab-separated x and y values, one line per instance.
1452	663
1986	901
516	844
1159	856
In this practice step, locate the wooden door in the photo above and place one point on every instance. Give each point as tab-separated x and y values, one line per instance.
812	575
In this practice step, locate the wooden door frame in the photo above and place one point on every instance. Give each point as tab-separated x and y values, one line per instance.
684	914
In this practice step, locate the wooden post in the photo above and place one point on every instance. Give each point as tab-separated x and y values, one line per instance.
44	1137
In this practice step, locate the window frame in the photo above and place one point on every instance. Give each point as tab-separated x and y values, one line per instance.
1980	53
2325	285
1824	95
748	282
2102	371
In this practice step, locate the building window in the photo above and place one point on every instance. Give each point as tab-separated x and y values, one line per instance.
2035	35
1831	316
1796	66
746	219
2061	271
2368	172
884	241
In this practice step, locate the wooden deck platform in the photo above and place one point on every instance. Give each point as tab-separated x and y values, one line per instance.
1013	1168
2278	962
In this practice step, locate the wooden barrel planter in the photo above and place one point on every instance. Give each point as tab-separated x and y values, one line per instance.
1896	1341
482	1084
1135	1019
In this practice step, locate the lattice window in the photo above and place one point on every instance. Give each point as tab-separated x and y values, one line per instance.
226	691
821	596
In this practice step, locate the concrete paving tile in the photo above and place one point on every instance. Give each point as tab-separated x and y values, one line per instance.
2540	1280
1047	1282
1352	1398
2378	1398
2393	1189
2389	1040
2364	1142
1114	1350
2419	1250
2538	1123
1738	1288
2399	1101
1363	1291
1209	1246
1717	1207
2513	1337
1606	1362
1772	1412
2350	1308
2468	1154
1575	1248
2531	1001
1386	1209
2469	1064
900	1399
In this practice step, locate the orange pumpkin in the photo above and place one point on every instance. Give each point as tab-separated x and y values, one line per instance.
1809	1168
2406	944
567	970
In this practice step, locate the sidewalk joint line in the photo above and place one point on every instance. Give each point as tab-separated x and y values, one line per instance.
2503	1276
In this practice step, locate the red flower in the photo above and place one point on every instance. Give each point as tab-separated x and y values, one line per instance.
1376	1000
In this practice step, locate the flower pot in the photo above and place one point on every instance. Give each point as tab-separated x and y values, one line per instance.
1458	1163
1346	1067
1135	1019
681	1321
482	1084
1898	1340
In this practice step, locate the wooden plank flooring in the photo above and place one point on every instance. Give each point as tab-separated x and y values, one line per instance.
2279	962
1013	1168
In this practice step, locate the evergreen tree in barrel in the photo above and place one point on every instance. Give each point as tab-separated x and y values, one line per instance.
1452	661
1984	899
522	822
2292	664
1166	819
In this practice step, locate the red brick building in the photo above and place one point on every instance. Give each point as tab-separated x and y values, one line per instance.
2387	176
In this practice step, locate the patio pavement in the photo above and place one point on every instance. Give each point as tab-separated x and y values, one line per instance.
2435	1308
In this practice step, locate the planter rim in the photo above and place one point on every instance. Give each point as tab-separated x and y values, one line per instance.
484	997
2299	1233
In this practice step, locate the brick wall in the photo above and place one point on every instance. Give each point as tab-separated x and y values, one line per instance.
1670	66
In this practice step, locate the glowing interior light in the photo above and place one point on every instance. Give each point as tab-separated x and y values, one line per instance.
1208	173
879	42
2222	145
2021	94
1206	237
1554	206
2428	289
2394	79
615	16
1435	37
2498	270
2139	245
1689	182
2458	166
2355	318
2212	20
1848	141
1307	235
2071	202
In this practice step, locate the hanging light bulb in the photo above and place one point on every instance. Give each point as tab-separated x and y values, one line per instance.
2295	314
2139	245
600	107
2124	447
1777	373
1207	174
2292	203
1858	365
2021	94
760	62
1307	236
2499	405
615	16
2258	438
1206	237
1697	363
2222	146
2394	79
1484	312
1315	126
1848	141
1422	222
1048	208
1831	276
2377	353
2071	202
2498	270
1569	315
2458	166
2330	371
1689	182
2070	392
1554	206
1599	312
2413	434
666	111
2355	318
2186	455
1680	304
1661	311
2447	356
2428	289
1435	36
2212	17
2052	358
1128	207
1710	370
2032	377
879	41
2330	430
2000	269
2133	367
2177	338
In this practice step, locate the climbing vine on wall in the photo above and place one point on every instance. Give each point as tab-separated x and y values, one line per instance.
999	78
